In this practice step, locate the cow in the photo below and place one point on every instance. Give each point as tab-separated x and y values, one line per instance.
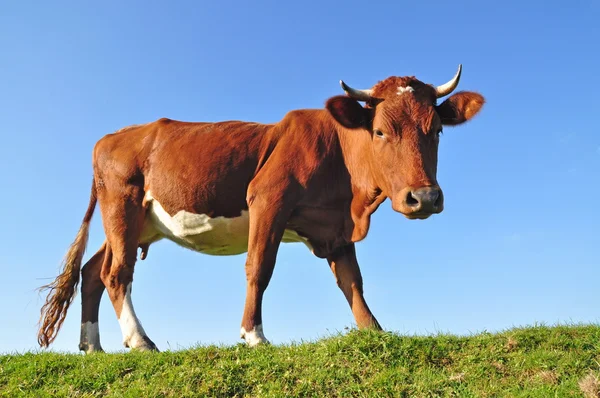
234	187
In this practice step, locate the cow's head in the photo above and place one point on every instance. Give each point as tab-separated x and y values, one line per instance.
404	121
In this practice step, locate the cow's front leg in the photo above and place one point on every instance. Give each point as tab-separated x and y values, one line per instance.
268	219
345	268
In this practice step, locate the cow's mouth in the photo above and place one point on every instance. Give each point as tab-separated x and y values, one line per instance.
417	216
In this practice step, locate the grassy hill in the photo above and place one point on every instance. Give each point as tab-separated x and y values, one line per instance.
561	361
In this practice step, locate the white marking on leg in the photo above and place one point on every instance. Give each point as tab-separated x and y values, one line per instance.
90	337
131	327
254	336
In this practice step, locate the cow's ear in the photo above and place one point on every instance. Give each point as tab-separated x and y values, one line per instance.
460	107
348	112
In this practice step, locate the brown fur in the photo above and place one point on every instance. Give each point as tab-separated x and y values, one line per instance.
320	172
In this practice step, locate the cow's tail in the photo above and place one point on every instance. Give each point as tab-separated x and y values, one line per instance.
62	291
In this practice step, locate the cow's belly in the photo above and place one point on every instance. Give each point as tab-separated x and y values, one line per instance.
199	232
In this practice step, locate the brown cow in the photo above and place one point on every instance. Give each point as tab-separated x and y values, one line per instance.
230	187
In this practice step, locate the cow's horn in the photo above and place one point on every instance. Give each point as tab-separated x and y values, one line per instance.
449	87
359	95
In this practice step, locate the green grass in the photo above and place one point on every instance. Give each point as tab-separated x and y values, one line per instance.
540	361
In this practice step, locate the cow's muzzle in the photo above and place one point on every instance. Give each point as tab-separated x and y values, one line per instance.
419	203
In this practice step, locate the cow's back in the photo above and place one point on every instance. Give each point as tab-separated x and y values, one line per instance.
203	168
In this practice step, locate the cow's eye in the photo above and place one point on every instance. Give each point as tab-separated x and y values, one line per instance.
379	133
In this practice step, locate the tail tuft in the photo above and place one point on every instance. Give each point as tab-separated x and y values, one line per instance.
62	291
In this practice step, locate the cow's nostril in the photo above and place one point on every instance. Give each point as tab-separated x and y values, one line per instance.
438	201
411	200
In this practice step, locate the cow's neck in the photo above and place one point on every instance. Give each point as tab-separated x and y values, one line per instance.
367	195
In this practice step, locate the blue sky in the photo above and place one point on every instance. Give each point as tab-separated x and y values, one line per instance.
517	243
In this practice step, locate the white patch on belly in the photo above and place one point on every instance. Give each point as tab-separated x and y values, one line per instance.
199	232
133	332
290	236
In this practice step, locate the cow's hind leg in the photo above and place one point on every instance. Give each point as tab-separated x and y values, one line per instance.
345	268
123	216
92	289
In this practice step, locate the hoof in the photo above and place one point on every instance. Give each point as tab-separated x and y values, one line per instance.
90	349
148	345
144	345
254	337
146	348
